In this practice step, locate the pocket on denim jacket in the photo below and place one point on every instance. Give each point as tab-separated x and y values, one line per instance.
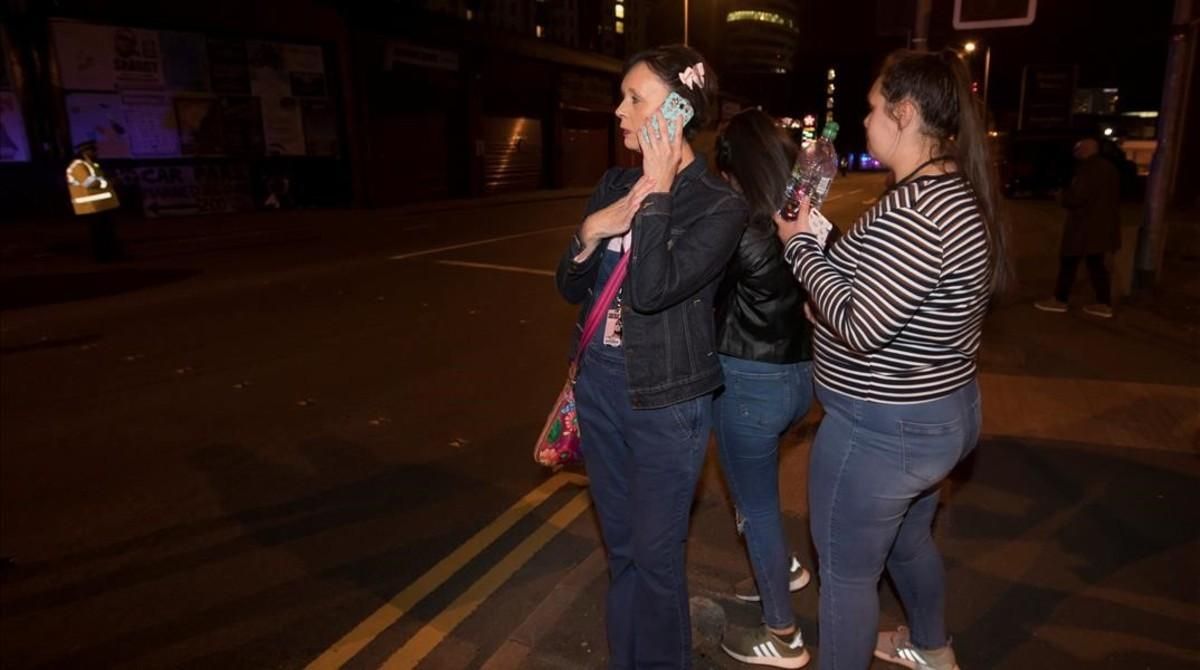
931	450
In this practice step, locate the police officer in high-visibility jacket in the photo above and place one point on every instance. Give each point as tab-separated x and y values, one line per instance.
93	195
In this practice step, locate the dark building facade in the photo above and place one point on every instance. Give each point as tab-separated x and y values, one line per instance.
229	106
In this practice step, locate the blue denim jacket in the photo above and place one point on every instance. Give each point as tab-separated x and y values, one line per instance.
682	241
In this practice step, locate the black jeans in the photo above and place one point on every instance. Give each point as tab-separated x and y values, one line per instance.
102	229
1099	274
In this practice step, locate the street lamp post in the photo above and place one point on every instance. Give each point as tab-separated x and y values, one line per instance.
685	23
970	48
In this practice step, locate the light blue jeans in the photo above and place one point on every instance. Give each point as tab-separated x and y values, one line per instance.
759	402
872	493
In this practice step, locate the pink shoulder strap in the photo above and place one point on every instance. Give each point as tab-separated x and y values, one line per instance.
600	307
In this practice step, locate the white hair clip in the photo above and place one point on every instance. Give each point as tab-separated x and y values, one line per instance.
693	75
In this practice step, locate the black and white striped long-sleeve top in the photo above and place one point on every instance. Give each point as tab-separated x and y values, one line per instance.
902	296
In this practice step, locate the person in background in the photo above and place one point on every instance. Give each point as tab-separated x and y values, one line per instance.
93	196
1093	229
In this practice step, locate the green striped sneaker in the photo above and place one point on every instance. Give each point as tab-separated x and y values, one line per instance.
759	646
895	646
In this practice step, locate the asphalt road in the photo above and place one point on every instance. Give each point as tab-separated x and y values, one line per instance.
304	442
228	458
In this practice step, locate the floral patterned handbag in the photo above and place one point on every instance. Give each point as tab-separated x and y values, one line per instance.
558	445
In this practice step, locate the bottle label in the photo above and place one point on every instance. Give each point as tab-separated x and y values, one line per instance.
823	185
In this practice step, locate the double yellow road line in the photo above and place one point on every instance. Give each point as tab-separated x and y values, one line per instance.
432	633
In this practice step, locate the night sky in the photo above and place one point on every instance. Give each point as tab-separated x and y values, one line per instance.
1125	49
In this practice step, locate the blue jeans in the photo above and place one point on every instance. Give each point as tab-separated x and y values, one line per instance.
760	401
873	490
643	466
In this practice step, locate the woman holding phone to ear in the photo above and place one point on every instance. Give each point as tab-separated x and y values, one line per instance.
664	230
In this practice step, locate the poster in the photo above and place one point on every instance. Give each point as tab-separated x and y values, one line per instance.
200	126
307	84
242	126
223	187
303	58
228	69
99	117
320	128
14	143
105	58
85	56
178	190
137	62
268	73
185	61
305	66
283	127
168	190
150	121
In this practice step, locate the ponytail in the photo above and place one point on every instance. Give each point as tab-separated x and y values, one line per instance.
940	86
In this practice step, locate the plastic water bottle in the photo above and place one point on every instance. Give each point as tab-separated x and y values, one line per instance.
814	170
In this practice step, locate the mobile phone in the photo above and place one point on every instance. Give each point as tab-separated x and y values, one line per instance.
677	111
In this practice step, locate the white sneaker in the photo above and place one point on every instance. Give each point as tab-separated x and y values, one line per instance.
798	578
1102	311
1051	305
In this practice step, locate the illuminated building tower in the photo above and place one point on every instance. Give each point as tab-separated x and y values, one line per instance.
760	39
761	36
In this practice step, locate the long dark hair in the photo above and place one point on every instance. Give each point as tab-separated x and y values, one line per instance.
759	155
667	62
939	84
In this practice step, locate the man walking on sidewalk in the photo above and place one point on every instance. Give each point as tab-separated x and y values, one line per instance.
1093	229
92	195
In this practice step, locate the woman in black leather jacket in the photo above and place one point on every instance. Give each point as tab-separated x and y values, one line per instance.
765	349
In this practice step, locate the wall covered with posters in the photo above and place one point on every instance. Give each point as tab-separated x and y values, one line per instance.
198	123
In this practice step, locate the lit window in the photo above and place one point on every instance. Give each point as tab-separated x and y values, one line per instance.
620	27
762	17
619	10
540	31
831	75
470	15
830	89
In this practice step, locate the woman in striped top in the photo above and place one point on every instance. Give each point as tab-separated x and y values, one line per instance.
899	304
